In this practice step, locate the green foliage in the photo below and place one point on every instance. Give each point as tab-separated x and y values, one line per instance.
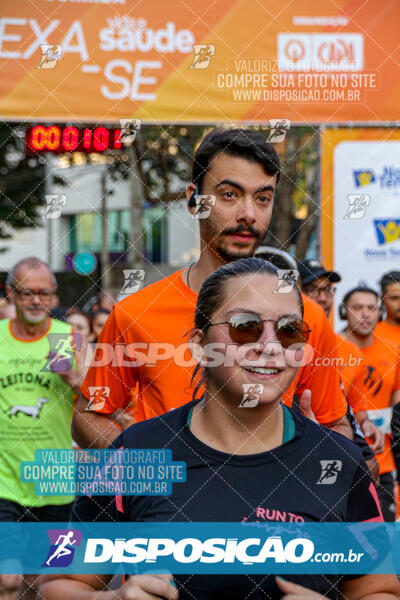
164	160
306	160
21	182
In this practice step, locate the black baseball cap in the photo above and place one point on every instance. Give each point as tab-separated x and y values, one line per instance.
310	270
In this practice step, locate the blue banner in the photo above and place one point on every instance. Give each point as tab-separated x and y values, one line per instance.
200	548
122	472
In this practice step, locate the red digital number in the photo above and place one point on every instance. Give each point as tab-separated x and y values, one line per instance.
117	139
87	139
39	137
70	139
100	138
53	137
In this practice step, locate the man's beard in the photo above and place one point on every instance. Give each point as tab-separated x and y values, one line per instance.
34	320
230	256
363	332
237	253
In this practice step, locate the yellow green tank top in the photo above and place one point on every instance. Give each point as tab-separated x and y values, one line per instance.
35	407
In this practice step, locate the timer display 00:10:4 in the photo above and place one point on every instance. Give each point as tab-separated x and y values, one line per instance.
71	139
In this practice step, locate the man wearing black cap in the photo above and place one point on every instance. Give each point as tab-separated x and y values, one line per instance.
317	283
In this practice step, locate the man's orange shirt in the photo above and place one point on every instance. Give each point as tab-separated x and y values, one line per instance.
161	314
321	375
381	378
388	332
350	359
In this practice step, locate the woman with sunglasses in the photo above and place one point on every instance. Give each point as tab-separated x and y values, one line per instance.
246	459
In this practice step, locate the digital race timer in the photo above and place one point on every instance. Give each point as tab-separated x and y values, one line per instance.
69	139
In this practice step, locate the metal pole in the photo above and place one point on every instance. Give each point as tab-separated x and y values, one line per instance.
105	266
136	231
48	224
317	189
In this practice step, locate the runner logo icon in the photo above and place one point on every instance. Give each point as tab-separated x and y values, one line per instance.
51	53
279	128
62	547
251	394
286	280
329	471
357	206
203	54
134	279
204	202
98	396
55	204
129	129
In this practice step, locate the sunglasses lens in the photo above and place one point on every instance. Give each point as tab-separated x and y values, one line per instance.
245	329
291	331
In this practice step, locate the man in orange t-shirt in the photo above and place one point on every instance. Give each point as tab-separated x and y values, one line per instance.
389	329
318	284
352	375
319	374
240	170
381	383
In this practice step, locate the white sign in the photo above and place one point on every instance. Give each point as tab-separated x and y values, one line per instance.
320	52
369	245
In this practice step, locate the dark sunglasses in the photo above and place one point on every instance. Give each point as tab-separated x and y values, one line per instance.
248	328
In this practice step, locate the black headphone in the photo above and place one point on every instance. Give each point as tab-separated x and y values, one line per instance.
343	311
192	199
343	305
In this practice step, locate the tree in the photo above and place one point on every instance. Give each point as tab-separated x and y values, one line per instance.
21	182
296	204
159	166
305	195
165	155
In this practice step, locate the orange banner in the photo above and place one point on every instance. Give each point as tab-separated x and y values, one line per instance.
231	60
